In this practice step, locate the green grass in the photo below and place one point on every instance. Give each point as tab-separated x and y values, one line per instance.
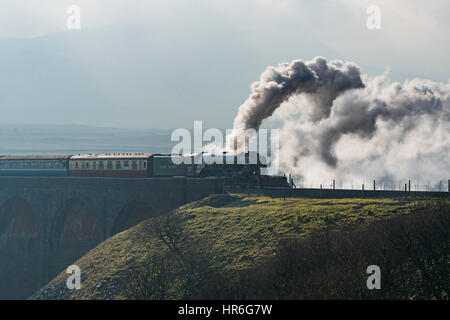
243	228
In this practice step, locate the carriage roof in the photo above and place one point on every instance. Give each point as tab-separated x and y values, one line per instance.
30	157
111	156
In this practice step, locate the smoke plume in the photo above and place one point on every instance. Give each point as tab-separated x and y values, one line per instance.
321	80
339	124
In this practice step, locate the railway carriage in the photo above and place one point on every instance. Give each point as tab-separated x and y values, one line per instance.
110	165
166	165
51	165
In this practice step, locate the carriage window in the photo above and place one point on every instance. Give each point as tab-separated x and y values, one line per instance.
126	164
145	164
118	165
101	165
134	165
95	164
110	166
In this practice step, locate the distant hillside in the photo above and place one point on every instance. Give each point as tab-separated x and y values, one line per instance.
73	139
233	232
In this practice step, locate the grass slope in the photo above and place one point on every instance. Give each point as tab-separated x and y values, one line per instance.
244	228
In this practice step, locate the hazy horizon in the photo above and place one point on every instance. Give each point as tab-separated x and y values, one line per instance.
36	139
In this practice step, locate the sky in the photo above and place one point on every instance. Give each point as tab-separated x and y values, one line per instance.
164	64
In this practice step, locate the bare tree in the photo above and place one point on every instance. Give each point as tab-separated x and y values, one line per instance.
186	261
150	280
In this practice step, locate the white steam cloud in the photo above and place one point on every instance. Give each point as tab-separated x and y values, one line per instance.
338	124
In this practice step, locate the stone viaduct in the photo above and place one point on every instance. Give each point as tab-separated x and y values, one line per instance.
47	223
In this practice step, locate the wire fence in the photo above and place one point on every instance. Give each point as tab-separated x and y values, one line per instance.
387	185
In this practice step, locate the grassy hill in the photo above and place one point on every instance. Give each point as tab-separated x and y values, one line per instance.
240	231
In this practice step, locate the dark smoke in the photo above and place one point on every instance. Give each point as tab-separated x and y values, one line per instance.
321	80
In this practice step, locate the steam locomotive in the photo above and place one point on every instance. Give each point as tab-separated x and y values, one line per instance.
236	168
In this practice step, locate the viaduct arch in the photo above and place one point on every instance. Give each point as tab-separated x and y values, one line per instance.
20	246
74	231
